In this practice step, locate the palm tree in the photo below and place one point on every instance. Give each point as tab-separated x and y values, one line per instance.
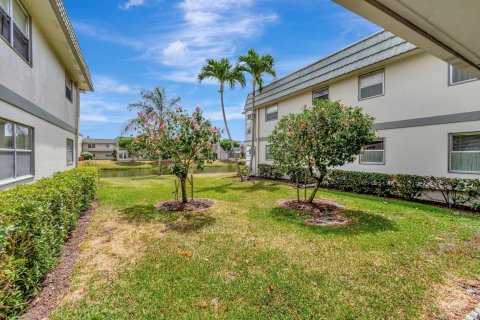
256	65
225	73
156	101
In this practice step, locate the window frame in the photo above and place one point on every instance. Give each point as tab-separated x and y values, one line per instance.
16	150
321	89
10	41
450	150
266	113
68	94
267	153
72	151
366	75
383	150
91	145
450	75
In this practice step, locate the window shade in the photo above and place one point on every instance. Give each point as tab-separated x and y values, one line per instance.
371	85
320	94
458	75
20	18
466	143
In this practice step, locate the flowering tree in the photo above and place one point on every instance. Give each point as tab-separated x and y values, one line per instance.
187	138
326	135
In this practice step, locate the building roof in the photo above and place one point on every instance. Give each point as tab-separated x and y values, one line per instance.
67	28
376	48
93	140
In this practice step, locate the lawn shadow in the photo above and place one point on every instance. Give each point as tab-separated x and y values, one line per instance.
182	222
361	222
245	186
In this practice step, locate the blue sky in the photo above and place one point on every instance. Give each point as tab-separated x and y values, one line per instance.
132	45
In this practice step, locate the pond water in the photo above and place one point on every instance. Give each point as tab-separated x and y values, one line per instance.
153	171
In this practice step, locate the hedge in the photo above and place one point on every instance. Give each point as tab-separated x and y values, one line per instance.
454	191
35	220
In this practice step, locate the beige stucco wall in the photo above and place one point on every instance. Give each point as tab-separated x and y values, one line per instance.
42	83
50	143
415	87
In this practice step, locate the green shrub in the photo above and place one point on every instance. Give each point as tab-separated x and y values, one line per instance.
87	155
455	191
407	186
269	171
359	182
35	220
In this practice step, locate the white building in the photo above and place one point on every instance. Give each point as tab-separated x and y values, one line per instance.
42	75
102	149
223	155
427	112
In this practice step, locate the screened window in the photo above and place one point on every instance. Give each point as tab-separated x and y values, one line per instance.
91	146
465	152
69	151
371	85
321	94
268	156
373	153
271	113
16	150
17	33
459	76
68	88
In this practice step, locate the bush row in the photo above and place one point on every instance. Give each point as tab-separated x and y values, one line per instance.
454	191
35	220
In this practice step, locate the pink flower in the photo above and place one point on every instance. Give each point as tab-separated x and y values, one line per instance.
140	114
179	109
213	130
157	120
163	127
196	127
152	136
148	124
192	120
291	134
159	138
157	152
197	109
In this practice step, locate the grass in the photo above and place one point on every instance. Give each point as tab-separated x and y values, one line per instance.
134	165
252	260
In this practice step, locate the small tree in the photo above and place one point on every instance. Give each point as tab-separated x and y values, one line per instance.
326	135
187	138
228	145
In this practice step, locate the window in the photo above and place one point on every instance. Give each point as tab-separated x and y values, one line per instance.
465	152
69	151
17	34
68	88
109	146
91	146
321	94
373	153
268	156
458	76
371	85
271	113
16	150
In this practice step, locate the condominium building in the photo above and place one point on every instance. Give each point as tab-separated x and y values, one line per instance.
43	72
426	111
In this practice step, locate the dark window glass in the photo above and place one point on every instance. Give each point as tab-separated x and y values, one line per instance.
21	43
4	24
458	75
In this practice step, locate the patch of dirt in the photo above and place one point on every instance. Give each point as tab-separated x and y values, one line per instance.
321	212
192	205
456	300
57	282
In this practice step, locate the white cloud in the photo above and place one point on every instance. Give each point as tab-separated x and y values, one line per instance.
232	113
106	84
131	3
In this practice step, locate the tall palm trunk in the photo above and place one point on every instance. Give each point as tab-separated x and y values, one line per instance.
239	173
254	125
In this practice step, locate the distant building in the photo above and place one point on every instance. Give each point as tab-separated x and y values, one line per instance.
42	73
223	155
102	149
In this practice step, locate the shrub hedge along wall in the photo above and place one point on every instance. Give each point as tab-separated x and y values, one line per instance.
35	220
454	191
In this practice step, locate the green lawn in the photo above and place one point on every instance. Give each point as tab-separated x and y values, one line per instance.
252	260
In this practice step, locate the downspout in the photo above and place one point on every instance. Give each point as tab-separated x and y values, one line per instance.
77	111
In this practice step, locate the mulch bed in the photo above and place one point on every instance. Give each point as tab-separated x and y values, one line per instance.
57	282
321	212
191	205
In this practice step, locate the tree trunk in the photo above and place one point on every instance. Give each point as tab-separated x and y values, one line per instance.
254	119
318	182
183	184
239	173
160	165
